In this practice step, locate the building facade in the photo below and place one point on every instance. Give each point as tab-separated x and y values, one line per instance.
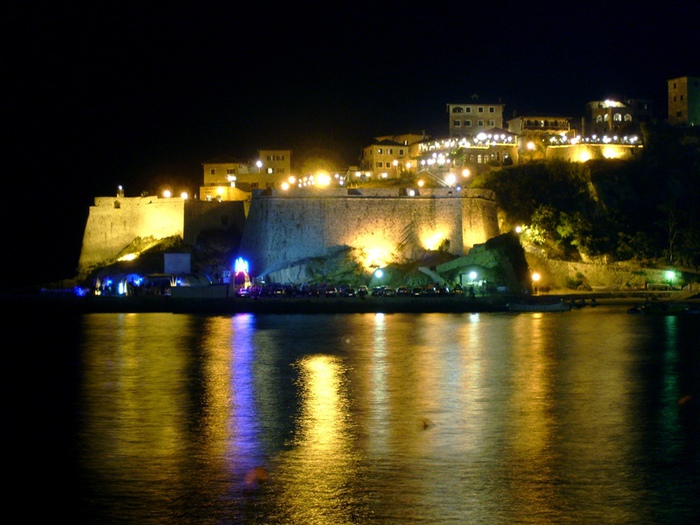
271	169
227	178
468	120
684	101
390	155
611	117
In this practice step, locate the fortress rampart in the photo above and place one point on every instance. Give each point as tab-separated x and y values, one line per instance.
285	227
386	224
114	222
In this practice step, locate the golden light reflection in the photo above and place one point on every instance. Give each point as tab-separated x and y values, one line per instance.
532	428
139	396
320	465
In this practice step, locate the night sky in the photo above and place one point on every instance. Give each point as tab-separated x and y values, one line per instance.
102	94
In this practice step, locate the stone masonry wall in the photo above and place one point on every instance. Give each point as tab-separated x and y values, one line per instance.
114	222
283	229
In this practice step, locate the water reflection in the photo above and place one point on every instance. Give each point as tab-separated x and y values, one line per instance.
434	418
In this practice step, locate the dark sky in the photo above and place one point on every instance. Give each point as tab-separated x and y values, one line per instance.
135	94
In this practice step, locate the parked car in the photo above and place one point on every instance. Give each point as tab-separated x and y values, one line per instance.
362	291
308	290
444	291
389	292
430	291
377	291
416	291
402	290
347	291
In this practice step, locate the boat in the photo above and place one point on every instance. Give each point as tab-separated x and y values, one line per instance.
539	306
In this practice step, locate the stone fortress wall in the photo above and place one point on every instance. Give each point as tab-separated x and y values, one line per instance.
284	227
115	222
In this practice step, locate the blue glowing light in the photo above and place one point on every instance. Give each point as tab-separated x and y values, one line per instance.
241	265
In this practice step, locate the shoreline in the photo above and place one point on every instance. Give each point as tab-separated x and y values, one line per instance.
67	303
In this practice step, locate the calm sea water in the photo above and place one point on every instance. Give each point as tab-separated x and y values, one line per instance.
590	416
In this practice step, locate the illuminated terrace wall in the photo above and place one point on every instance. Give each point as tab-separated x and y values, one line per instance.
387	224
585	152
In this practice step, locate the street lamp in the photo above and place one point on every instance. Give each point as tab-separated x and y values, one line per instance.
535	279
670	276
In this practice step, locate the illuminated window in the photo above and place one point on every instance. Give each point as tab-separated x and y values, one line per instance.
599	118
617	117
628	117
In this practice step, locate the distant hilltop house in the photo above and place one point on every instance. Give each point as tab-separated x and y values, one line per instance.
684	101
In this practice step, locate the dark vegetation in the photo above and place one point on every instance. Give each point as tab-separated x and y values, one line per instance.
645	209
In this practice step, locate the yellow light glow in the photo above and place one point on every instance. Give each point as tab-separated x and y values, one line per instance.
167	194
285	186
451	179
421	183
531	146
432	240
220	190
612	152
128	257
584	156
465	173
323	179
184	195
376	257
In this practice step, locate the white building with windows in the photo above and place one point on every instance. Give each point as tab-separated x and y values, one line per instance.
611	117
389	156
468	120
